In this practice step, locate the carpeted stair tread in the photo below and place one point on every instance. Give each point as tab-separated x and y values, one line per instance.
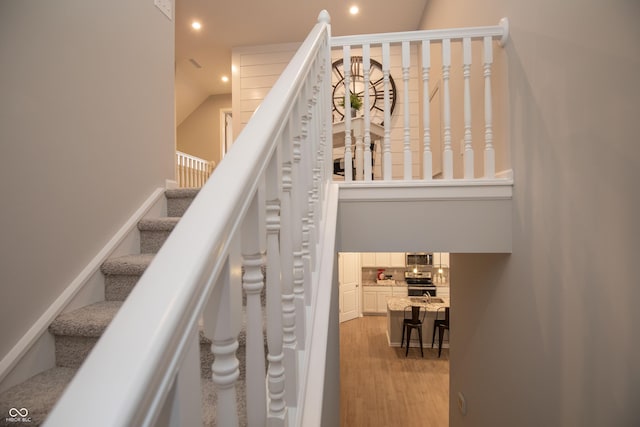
38	395
181	193
158	224
131	265
179	200
87	321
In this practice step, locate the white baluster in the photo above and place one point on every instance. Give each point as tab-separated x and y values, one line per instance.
300	222
252	283
466	71
448	153
427	160
489	155
366	65
277	411
225	368
286	250
406	64
348	153
386	147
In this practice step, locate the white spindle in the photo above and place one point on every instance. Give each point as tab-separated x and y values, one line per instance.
301	239
348	153
225	371
466	71
427	161
277	410
489	155
286	258
386	147
448	153
252	283
406	64
366	65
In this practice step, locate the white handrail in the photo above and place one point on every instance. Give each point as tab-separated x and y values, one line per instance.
134	375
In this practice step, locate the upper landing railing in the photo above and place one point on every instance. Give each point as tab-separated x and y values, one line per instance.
427	104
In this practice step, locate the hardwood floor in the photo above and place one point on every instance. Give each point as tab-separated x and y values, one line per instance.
380	387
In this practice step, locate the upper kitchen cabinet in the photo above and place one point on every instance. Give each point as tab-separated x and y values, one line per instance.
369	259
441	259
383	259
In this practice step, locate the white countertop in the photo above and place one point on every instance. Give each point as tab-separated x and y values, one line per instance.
400	303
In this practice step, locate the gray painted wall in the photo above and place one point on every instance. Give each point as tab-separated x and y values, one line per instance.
87	132
549	334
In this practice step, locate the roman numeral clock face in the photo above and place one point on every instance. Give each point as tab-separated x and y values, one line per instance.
374	89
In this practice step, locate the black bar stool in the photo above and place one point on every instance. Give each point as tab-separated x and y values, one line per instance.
411	323
441	325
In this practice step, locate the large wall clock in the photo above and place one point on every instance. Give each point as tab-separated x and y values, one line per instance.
375	88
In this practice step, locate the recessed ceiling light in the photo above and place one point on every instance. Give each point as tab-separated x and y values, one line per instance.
354	10
225	79
196	25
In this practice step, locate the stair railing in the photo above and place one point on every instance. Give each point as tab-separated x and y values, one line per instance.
192	171
272	189
416	74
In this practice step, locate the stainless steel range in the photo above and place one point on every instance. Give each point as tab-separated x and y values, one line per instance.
419	283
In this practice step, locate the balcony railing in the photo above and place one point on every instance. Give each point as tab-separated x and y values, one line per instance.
192	171
421	92
271	203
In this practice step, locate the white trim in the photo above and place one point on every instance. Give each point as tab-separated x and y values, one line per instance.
13	357
440	189
312	390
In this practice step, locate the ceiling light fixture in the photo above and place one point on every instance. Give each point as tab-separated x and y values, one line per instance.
354	10
196	25
225	79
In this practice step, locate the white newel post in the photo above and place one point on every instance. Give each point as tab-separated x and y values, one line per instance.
386	146
406	64
225	368
427	160
466	71
447	152
277	410
489	155
348	153
286	258
252	283
366	65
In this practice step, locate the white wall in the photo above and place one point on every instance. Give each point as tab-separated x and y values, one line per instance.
199	134
549	334
87	133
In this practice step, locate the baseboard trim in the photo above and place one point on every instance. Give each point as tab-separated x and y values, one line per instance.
13	357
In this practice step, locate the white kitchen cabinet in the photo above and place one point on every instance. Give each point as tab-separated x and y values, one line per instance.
441	258
369	304
397	259
369	259
381	299
383	259
374	298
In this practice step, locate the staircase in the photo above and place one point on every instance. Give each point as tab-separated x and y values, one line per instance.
77	331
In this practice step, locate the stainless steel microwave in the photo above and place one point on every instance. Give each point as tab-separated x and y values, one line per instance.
419	259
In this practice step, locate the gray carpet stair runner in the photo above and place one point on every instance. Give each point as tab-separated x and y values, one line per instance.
77	331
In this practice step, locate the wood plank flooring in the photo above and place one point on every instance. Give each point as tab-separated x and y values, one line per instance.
380	387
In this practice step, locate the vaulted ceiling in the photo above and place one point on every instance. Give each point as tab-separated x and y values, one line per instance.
236	23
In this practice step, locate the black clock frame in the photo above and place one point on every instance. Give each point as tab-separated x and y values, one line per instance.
376	87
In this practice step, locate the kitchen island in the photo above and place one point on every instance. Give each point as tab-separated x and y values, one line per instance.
395	317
